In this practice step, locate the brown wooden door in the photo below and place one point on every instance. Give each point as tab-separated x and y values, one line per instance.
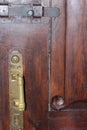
29	36
54	59
68	67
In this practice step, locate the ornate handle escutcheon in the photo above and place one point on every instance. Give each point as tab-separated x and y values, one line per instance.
16	90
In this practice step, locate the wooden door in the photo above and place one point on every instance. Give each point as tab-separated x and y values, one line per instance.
54	60
29	36
68	67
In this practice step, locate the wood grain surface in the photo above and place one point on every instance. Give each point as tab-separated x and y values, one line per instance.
74	84
58	52
31	39
68	120
76	51
54	58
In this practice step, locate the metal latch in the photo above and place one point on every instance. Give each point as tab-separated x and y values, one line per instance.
28	11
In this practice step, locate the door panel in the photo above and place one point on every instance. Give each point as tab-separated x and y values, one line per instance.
71	115
68	120
31	39
76	74
68	62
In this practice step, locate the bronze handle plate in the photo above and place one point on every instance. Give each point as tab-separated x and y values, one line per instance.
16	90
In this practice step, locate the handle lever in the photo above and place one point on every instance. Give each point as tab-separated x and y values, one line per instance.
21	104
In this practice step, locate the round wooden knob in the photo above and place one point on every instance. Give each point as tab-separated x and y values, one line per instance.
57	102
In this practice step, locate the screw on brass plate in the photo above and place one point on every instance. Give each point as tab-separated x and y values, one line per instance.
16	103
15	59
13	76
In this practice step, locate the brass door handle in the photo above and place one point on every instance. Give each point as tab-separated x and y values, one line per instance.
16	90
20	103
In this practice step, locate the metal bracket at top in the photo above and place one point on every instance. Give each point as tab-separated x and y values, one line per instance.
27	11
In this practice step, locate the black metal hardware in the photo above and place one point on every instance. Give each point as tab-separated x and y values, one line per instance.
27	11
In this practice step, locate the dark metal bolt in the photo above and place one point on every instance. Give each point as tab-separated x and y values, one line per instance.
30	13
